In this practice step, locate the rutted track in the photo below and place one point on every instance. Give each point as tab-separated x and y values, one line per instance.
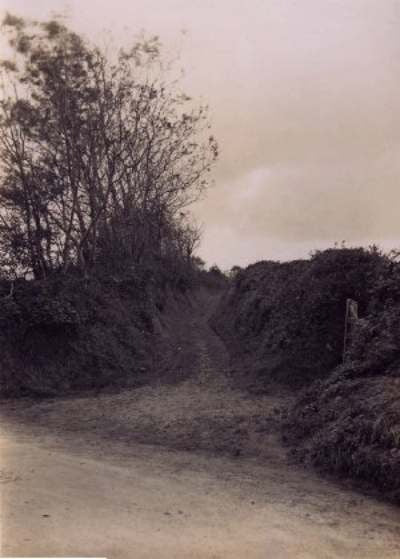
189	468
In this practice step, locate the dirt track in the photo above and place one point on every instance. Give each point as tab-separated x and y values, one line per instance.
189	467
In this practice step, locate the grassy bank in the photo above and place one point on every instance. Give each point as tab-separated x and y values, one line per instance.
67	334
288	321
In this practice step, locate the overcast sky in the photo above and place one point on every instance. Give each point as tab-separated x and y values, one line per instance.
304	96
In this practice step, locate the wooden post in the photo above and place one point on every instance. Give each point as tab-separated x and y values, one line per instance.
350	317
345	330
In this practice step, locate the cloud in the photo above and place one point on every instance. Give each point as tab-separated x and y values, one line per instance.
287	211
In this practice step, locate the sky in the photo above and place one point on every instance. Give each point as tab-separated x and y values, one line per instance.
304	100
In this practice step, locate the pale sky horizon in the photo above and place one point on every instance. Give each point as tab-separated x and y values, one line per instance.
304	99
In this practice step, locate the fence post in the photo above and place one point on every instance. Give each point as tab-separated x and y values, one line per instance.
350	317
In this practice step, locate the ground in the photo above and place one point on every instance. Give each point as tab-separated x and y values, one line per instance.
189	466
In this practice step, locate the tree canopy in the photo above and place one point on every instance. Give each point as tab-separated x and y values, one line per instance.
100	155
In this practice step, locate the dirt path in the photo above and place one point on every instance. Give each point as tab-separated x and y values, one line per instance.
188	468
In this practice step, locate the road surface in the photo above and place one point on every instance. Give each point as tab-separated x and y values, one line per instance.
191	468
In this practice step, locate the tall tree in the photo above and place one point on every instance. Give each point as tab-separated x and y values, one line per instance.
99	155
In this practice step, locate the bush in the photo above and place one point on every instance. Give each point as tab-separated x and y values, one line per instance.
349	424
60	336
290	316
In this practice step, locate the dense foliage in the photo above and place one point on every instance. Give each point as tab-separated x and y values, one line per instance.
349	425
290	316
60	335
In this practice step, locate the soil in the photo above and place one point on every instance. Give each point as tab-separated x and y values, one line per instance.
187	466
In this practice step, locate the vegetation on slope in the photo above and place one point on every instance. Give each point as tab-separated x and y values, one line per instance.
100	158
60	336
290	316
346	418
349	424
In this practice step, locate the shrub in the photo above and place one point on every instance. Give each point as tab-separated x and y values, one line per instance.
349	423
60	336
290	316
